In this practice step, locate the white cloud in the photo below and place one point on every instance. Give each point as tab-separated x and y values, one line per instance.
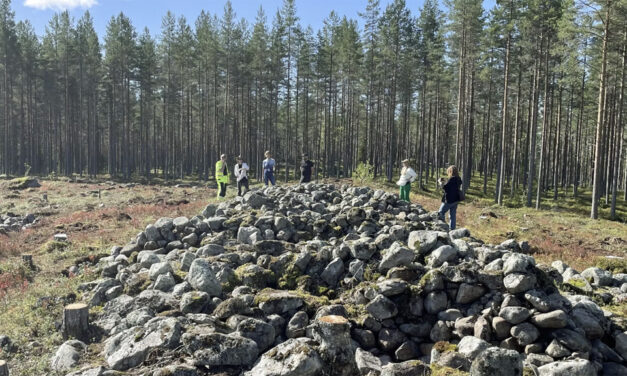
59	4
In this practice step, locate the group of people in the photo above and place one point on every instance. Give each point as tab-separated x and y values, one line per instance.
452	188
241	172
453	193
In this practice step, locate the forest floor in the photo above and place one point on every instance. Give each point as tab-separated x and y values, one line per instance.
99	214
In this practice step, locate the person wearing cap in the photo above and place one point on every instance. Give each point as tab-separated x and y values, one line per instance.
241	174
222	175
268	169
408	175
306	169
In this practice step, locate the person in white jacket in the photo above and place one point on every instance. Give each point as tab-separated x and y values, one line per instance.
408	175
241	174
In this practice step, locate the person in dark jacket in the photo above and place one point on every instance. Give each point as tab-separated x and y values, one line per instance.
306	169
451	196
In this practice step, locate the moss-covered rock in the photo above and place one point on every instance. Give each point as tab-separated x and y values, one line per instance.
255	276
24	183
612	264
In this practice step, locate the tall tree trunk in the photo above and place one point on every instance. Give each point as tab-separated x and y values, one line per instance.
620	131
504	123
594	211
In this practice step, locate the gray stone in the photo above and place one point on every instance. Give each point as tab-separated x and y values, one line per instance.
294	357
278	302
164	282
435	302
588	316
390	339
572	340
152	233
362	248
501	327
248	235
216	349
510	244
332	273
297	325
382	308
614	369
597	276
130	347
393	286
575	367
364	337
367	363
539	300
396	256
515	315
471	346
407	368
450	315
176	370
441	255
468	293
497	361
160	268
459	233
518	263
260	332
621	344
525	333
557	350
538	360
209	250
482	328
191	239
440	332
551	320
202	278
231	307
452	360
68	355
194	301
422	241
519	282
186	261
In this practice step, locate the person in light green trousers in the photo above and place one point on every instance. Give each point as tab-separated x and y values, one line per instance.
408	175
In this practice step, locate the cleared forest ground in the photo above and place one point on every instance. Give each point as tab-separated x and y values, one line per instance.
98	215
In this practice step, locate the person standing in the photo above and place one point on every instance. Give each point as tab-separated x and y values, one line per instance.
452	195
222	175
241	174
408	175
306	169
268	169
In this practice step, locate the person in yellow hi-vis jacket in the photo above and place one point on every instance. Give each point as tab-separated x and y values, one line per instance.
222	175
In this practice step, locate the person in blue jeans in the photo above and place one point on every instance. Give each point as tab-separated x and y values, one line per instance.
268	169
451	196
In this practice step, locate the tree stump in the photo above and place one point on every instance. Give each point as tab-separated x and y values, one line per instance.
28	261
76	321
4	368
333	334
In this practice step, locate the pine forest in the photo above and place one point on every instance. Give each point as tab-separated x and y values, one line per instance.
529	94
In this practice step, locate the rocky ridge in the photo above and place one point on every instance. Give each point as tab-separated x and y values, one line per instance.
324	280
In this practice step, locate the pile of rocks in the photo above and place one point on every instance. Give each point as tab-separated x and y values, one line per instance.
10	222
324	280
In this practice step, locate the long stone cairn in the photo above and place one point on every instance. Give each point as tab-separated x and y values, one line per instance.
327	280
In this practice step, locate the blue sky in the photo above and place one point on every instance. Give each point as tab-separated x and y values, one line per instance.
148	13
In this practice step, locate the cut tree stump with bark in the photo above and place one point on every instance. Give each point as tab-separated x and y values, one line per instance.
333	333
76	321
4	368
